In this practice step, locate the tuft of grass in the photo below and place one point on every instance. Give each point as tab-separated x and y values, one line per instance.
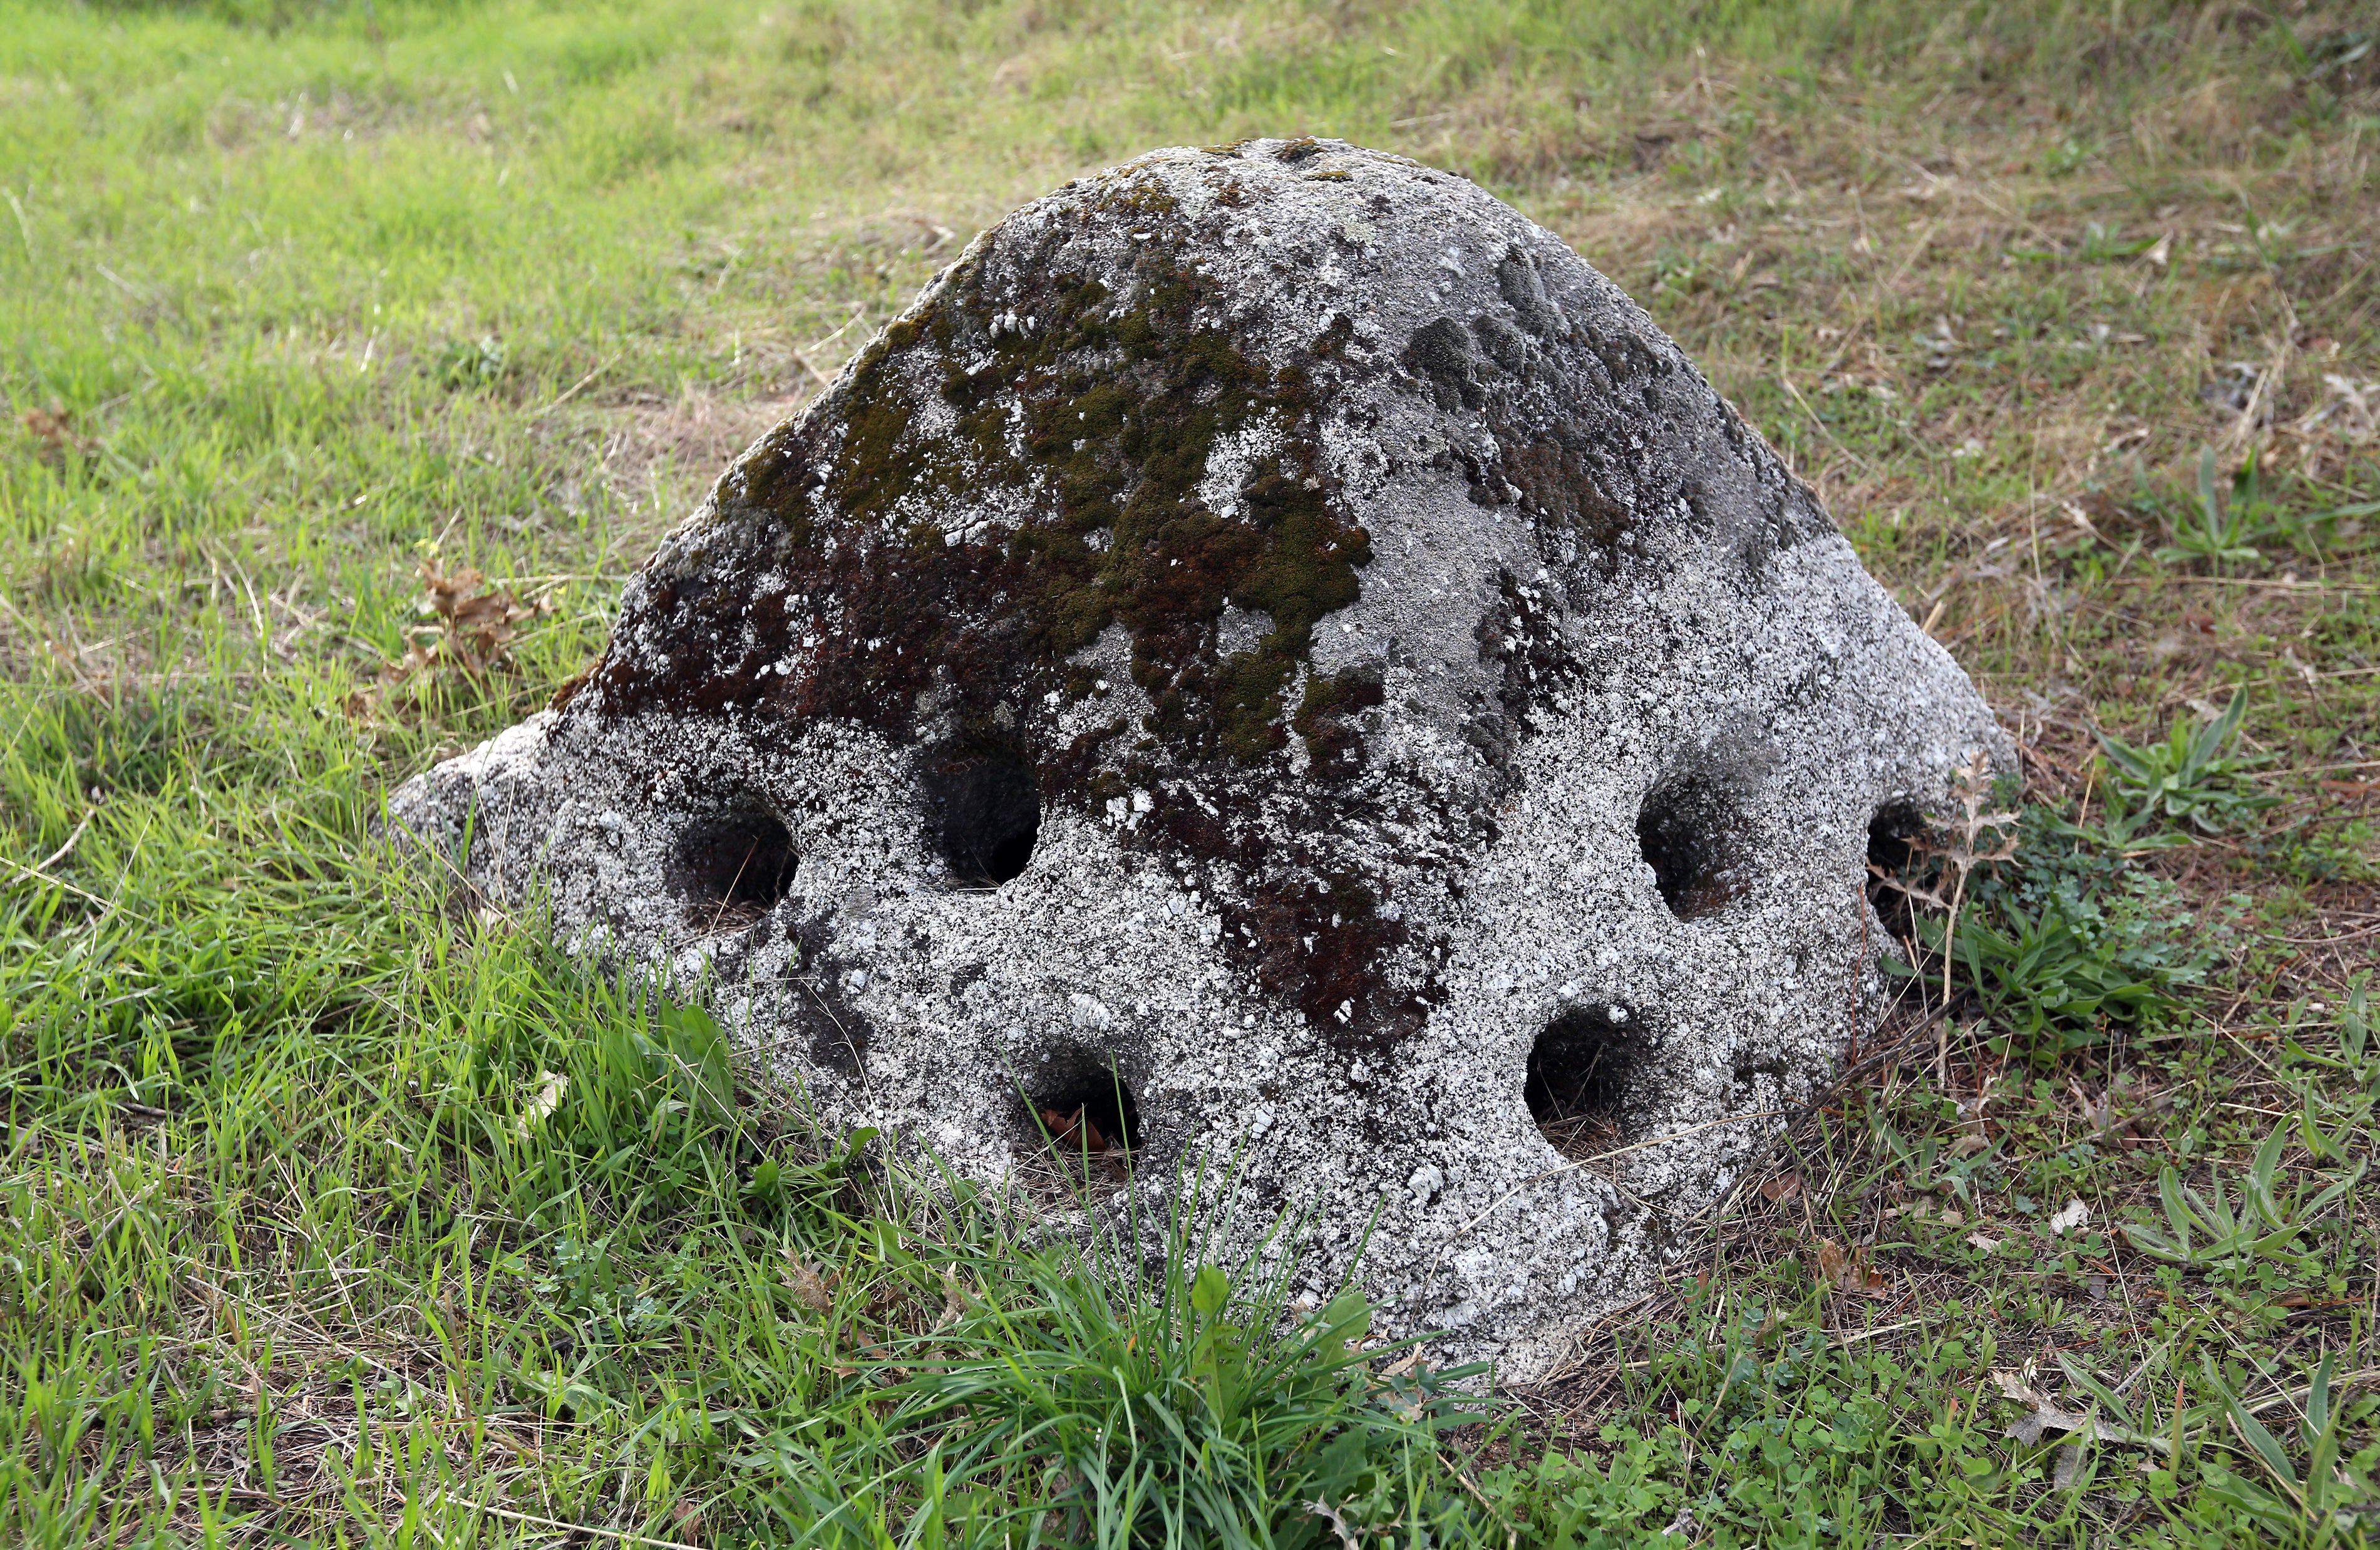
1180	1405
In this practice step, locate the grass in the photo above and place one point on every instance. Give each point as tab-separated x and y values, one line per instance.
333	1216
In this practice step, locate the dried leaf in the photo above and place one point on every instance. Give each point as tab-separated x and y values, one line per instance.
54	427
475	624
2099	1113
1903	885
1324	1510
2069	1469
2045	1420
469	632
2016	1386
1078	1132
2075	1215
1784	1187
552	1085
2046	1415
1846	1270
1977	1240
809	1288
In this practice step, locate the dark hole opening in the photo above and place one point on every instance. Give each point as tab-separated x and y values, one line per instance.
1686	831
1893	856
1580	1072
1888	837
732	869
1094	1115
988	809
1747	1074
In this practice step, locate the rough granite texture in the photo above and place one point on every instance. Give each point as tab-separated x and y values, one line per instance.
1382	652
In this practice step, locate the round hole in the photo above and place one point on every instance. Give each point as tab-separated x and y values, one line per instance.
732	868
988	812
1689	832
1580	1073
1090	1113
1893	857
1889	834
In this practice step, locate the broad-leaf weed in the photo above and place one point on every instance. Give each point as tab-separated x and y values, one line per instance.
2228	529
2211	1231
2191	778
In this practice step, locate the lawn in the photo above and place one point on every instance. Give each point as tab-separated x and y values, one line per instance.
354	354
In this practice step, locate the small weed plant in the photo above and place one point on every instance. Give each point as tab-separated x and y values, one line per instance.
2213	1231
469	365
2060	939
2235	526
2193	777
2328	1499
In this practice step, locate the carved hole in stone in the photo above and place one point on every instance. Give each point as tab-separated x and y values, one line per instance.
731	868
1892	851
1081	1110
1689	831
1748	1072
988	811
1890	832
1580	1073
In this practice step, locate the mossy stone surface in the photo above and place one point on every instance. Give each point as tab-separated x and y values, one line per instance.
1271	627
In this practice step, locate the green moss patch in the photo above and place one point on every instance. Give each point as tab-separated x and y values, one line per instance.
1108	408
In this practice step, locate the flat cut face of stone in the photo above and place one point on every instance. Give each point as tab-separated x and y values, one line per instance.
1273	653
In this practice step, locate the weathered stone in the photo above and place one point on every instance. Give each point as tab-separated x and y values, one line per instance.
1272	628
